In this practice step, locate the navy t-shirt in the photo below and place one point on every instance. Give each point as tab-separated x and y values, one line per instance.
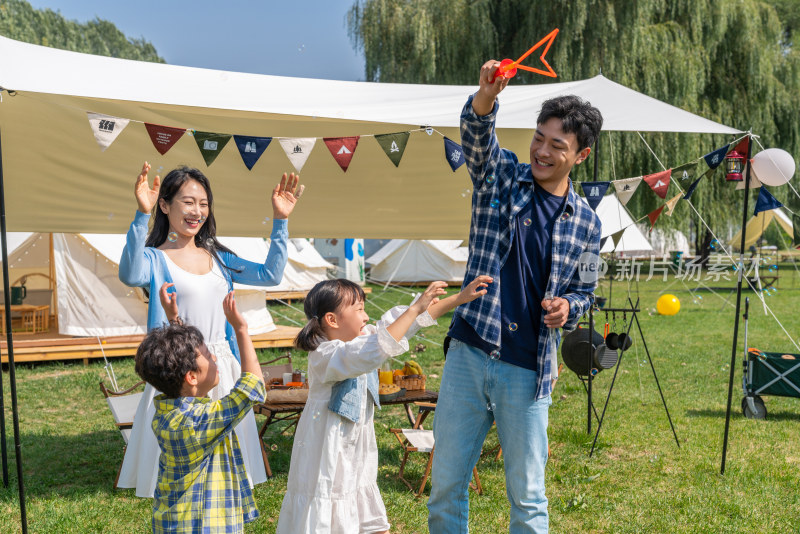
523	280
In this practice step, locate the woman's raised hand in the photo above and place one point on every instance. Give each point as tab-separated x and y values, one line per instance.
285	196
146	196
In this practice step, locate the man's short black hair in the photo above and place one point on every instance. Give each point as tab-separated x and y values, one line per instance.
166	355
577	116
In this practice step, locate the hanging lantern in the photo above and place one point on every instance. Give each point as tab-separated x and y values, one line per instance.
734	163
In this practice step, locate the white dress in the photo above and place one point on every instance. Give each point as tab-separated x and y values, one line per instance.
332	485
200	304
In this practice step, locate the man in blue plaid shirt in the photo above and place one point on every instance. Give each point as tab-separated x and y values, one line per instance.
202	484
539	241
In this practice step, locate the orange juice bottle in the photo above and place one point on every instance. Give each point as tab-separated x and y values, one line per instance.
385	374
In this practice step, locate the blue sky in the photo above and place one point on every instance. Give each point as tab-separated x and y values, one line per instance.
287	38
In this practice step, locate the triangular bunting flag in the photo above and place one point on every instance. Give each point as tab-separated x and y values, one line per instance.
755	183
454	154
692	188
653	216
106	128
251	148
394	144
626	188
603	242
342	149
713	159
594	192
298	149
742	146
659	182
671	203
687	171
210	144
163	137
796	229
617	236
766	201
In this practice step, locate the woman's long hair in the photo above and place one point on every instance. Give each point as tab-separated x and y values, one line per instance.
325	297
206	238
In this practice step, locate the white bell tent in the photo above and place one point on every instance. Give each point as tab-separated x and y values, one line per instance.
758	224
409	260
83	284
614	217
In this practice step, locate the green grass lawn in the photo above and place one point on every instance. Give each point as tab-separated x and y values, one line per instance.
637	481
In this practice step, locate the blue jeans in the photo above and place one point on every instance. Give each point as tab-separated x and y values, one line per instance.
475	391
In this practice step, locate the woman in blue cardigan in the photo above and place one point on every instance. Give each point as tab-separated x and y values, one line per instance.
182	254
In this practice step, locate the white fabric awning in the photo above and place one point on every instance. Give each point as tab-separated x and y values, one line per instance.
57	178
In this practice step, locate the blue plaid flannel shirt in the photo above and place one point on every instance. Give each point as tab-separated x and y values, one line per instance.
202	485
577	230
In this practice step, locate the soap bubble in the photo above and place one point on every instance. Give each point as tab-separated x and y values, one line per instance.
490	179
513	327
274	447
527	222
494	203
495	354
265	221
172	237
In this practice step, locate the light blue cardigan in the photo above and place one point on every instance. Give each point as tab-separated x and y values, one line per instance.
142	266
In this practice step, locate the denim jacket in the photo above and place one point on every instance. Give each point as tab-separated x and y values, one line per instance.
346	396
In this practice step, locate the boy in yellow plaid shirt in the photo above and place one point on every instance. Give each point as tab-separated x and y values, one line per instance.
202	485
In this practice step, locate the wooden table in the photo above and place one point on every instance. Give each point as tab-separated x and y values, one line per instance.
34	318
276	412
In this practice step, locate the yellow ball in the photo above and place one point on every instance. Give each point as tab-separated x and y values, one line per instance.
668	304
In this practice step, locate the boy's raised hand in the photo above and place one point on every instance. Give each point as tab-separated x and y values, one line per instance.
169	301
232	313
476	288
429	296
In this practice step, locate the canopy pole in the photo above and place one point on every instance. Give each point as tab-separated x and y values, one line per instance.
740	272
10	347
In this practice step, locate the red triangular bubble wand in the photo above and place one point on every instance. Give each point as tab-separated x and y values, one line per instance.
508	68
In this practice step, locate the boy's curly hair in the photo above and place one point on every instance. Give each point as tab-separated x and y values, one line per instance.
166	355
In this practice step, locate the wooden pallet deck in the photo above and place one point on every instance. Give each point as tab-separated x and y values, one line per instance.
50	346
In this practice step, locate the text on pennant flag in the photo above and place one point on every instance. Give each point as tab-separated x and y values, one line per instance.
454	154
251	148
342	149
659	182
210	144
394	145
713	159
594	192
163	137
106	128
687	171
626	188
298	149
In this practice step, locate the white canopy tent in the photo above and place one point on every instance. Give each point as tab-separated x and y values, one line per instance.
84	287
758	224
614	217
58	179
409	260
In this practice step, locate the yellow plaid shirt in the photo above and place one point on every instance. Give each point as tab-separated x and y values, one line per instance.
202	485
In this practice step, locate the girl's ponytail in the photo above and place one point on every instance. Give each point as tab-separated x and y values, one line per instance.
310	336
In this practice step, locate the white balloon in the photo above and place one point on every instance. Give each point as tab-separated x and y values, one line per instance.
773	166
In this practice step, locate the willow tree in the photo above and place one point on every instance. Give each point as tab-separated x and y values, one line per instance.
731	61
20	21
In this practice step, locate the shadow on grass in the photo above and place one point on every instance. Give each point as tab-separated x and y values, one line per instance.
62	465
736	412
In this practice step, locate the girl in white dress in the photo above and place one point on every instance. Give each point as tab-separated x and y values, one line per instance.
332	485
182	250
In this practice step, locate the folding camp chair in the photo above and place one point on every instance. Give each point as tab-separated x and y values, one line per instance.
123	406
420	440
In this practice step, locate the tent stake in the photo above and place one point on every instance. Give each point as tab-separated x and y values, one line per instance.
10	347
